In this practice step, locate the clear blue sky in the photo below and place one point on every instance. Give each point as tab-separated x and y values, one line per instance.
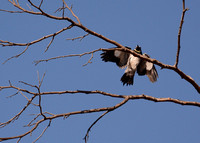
151	24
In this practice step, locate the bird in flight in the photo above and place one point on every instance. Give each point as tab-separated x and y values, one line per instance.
132	64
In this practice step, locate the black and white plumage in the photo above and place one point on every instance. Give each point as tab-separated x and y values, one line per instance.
133	64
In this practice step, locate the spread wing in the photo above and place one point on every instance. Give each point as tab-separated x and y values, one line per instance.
116	56
147	68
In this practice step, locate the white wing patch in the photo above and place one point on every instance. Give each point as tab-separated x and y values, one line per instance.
149	66
117	53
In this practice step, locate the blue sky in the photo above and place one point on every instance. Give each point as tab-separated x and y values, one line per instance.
151	24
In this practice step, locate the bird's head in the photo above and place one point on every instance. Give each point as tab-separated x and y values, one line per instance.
138	50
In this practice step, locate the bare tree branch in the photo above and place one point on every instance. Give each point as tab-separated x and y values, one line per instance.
179	34
17	115
43	132
16	56
53	116
133	97
70	9
126	98
87	134
89	61
111	109
41	3
68	19
73	55
17	5
38	88
50	43
66	114
11	11
7	43
80	37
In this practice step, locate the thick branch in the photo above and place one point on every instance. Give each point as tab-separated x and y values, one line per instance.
162	65
146	97
126	98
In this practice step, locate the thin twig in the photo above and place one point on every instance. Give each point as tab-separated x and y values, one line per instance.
41	81
87	134
63	12
70	9
179	34
41	3
17	115
40	98
49	43
89	61
73	55
19	140
37	7
28	84
31	122
25	96
109	109
80	37
43	132
29	8
16	56
13	94
40	106
11	11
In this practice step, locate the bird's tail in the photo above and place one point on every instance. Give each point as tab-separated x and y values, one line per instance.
127	78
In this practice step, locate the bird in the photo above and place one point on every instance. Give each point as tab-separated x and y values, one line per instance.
132	63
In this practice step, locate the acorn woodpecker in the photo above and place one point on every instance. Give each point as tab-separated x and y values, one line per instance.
133	64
